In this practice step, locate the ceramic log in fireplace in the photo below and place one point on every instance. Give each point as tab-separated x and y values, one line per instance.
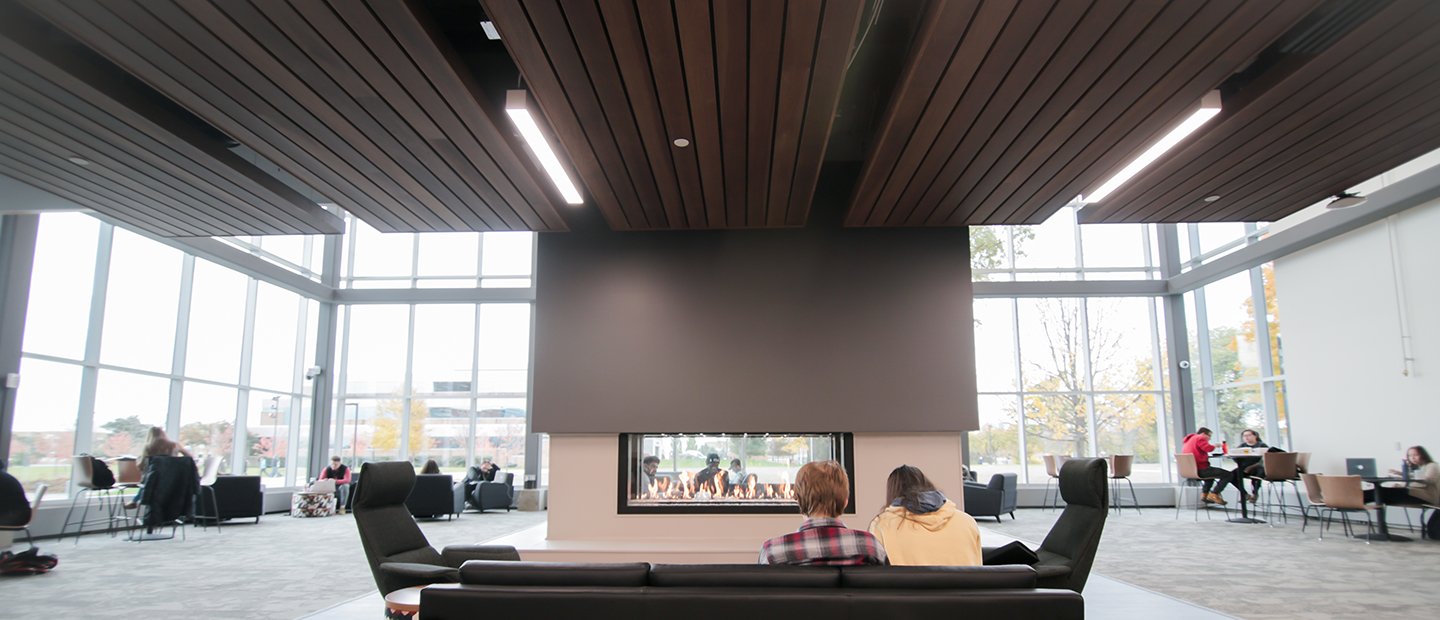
722	473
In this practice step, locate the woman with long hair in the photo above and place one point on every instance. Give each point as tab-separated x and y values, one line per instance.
1424	487
920	527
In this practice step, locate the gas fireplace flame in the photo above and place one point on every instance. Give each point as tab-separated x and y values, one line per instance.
687	486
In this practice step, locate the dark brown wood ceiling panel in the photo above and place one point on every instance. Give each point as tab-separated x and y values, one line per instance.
1359	107
359	100
146	164
752	85
1007	110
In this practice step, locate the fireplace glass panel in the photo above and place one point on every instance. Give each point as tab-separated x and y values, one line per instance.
728	472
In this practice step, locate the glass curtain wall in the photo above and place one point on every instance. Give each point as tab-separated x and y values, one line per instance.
441	381
123	333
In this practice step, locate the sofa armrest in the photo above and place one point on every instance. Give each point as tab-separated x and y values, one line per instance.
455	555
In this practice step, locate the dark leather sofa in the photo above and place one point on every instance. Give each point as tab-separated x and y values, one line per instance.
500	589
236	497
436	495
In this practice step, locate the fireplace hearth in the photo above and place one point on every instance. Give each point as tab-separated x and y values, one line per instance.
721	473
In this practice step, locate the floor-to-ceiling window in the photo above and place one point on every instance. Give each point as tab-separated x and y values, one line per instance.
434	380
124	333
1073	376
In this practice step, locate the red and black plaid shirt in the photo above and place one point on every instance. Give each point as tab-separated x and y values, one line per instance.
823	542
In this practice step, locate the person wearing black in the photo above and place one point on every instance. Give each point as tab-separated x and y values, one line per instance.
475	474
1249	465
14	508
706	478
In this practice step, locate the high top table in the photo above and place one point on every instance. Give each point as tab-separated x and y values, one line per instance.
1383	531
1244	506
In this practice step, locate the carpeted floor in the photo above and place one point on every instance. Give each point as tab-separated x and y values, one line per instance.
281	568
1226	566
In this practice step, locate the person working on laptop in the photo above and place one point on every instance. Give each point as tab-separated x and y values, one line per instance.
1424	478
1249	465
1198	445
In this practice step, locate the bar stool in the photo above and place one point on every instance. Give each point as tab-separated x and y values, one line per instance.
82	477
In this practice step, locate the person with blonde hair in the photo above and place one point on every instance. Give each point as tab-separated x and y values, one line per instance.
920	527
822	489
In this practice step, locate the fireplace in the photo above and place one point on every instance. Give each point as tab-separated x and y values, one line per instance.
722	473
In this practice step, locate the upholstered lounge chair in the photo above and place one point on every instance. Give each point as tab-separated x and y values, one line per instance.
1069	550
992	500
398	552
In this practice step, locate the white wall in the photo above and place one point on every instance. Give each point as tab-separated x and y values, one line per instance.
1341	333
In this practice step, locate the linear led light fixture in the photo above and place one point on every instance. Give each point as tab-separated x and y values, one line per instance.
517	105
1209	107
490	31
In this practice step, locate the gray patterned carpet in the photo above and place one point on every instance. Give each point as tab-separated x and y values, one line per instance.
281	568
1258	572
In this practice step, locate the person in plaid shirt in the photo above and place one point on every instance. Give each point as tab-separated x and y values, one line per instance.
823	489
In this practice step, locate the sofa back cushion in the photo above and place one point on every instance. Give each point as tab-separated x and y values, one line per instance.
587	574
744	576
937	577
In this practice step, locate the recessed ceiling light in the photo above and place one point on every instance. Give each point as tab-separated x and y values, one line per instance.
1212	198
79	161
490	31
682	142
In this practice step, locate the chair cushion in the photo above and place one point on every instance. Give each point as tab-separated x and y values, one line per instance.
589	574
937	577
744	576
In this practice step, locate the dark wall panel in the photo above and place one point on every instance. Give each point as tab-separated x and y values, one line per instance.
817	329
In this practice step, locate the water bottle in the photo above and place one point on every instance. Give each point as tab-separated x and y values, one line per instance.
1225	447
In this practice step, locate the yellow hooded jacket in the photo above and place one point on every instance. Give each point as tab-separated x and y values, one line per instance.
944	537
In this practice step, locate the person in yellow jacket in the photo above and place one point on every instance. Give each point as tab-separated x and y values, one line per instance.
920	527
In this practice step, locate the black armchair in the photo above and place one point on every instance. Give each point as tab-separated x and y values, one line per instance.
497	494
992	500
1069	550
398	552
435	495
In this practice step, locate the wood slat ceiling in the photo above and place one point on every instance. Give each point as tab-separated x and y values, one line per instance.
141	163
752	85
1008	110
355	99
1361	106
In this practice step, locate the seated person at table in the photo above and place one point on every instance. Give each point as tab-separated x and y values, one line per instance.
431	467
712	479
823	489
1198	445
1253	466
157	444
920	527
1424	481
338	472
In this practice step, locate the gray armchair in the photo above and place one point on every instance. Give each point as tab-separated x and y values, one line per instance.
991	500
398	552
436	495
499	493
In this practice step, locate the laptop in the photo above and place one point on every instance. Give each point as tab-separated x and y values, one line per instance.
1360	467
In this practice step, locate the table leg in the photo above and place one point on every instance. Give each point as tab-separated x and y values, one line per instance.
1244	511
1383	530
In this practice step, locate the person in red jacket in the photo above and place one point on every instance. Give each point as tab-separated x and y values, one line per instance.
1198	445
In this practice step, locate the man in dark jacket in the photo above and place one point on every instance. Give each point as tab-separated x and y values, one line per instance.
14	508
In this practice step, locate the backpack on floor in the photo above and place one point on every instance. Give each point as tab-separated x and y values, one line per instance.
27	562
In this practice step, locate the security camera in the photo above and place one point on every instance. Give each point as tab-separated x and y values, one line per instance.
1184	364
312	372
